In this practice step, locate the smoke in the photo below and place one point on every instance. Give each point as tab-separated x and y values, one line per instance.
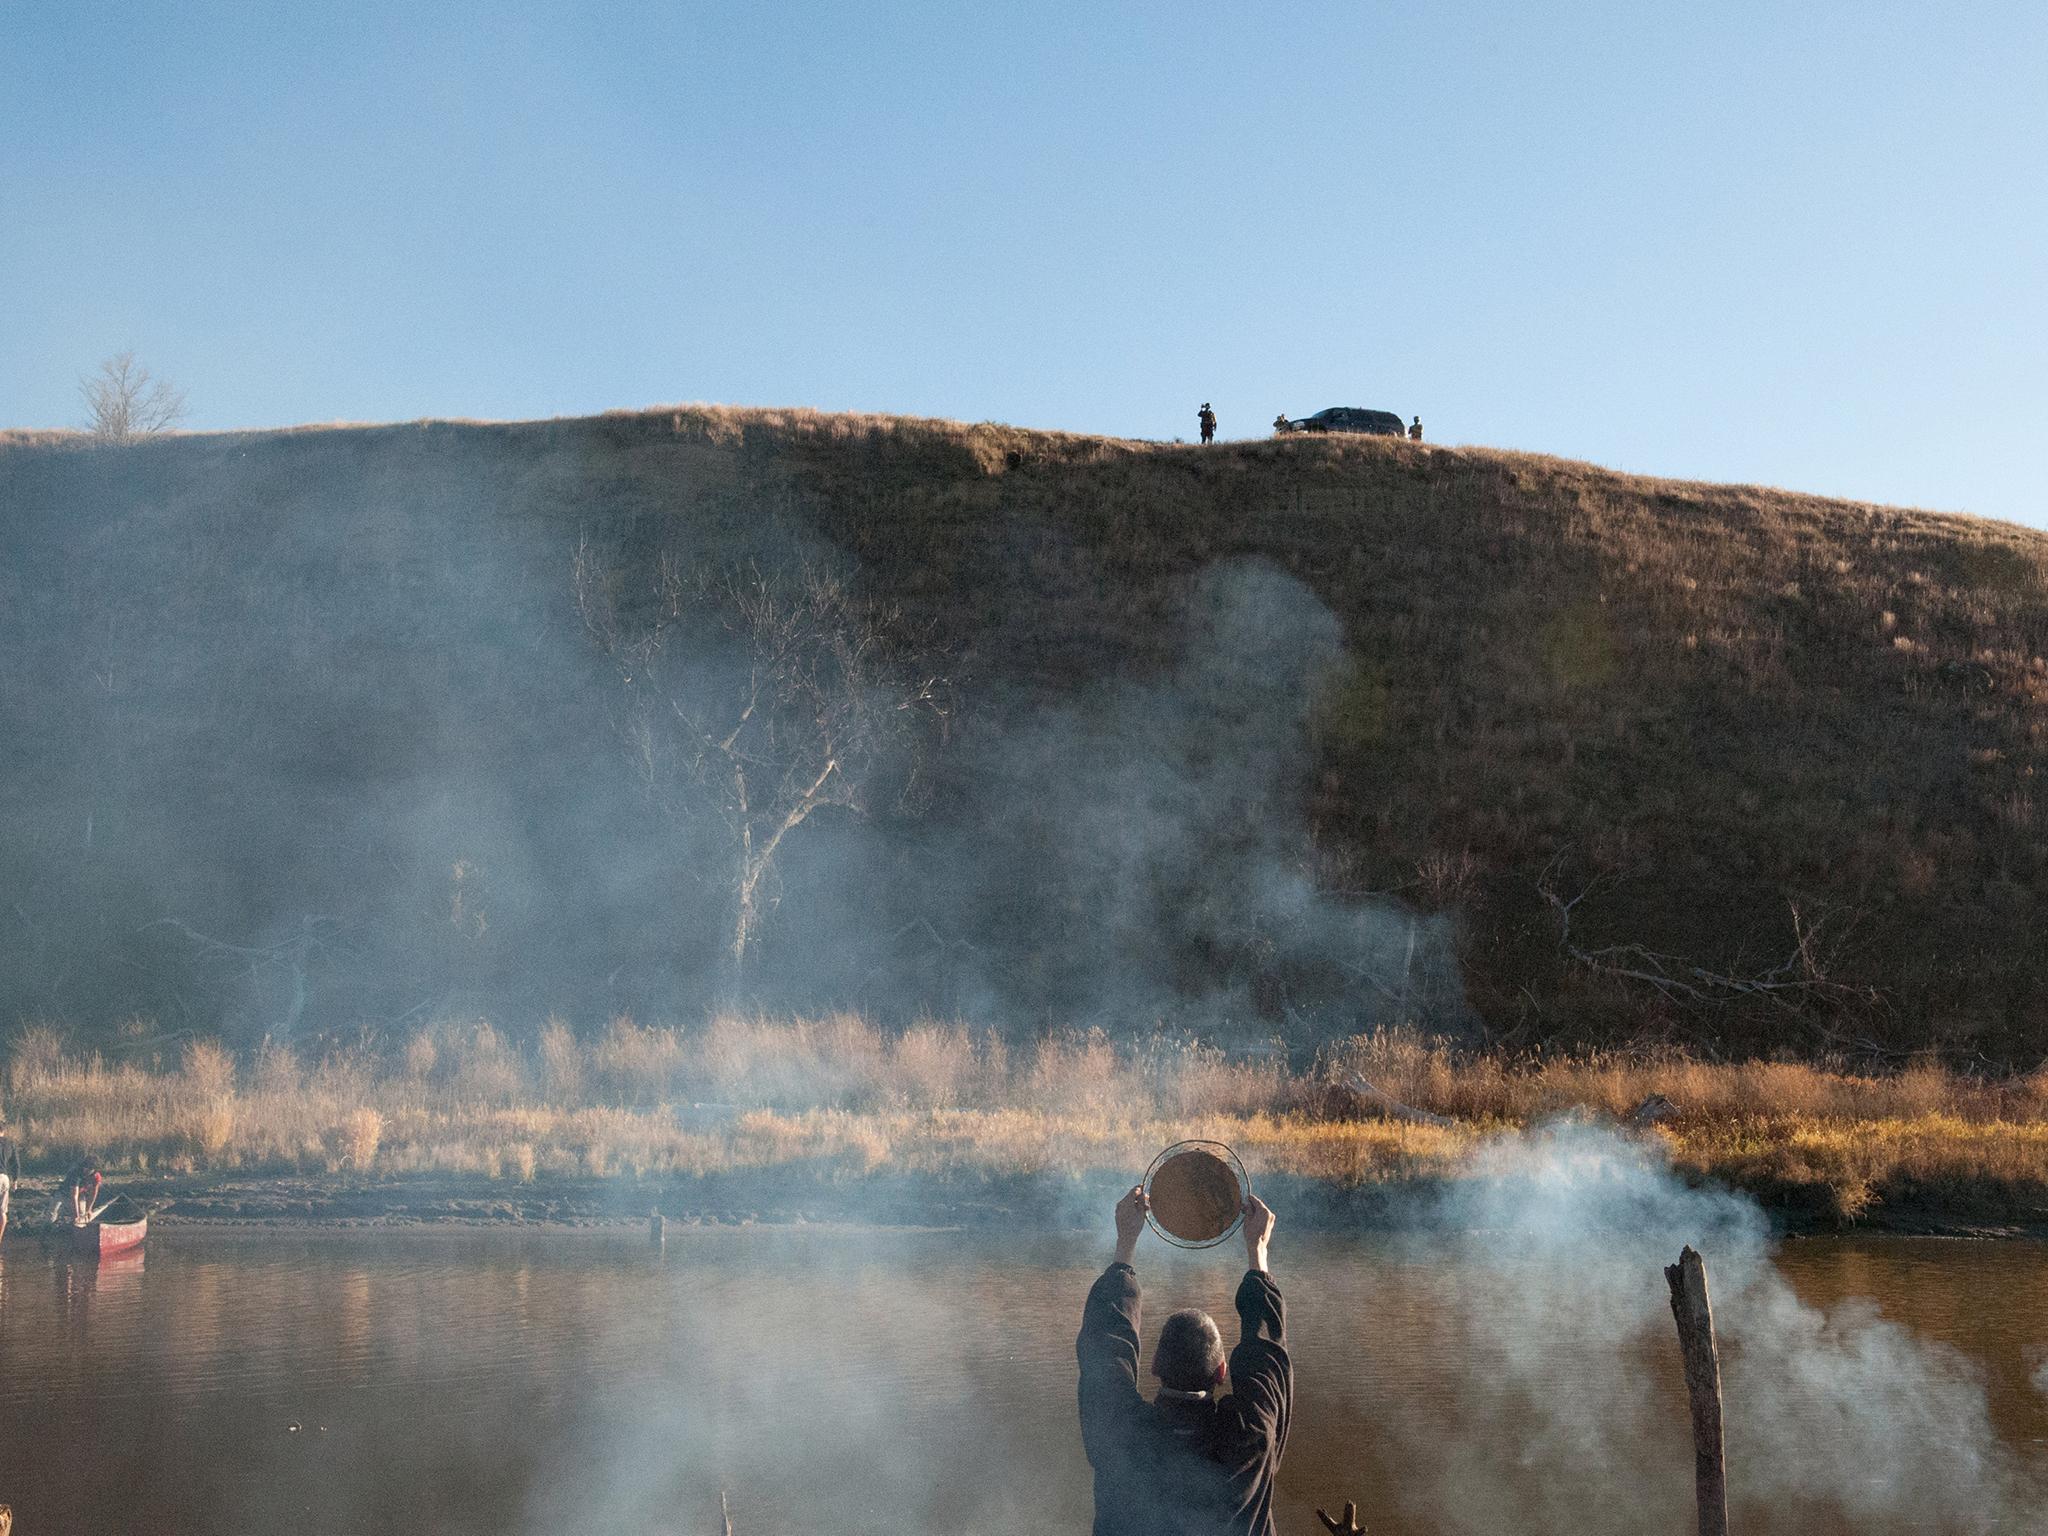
867	1383
1546	1269
1166	865
274	704
1510	1365
306	736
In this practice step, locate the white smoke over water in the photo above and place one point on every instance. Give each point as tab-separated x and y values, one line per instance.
1507	1365
1548	1270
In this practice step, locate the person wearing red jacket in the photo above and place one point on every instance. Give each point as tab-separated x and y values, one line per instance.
81	1198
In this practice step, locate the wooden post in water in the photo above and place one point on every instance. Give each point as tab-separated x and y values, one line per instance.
724	1514
1688	1281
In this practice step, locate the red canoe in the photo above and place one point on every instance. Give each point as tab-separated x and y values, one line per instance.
111	1234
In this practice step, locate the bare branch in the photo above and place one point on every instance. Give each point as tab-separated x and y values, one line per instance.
124	401
1794	984
796	671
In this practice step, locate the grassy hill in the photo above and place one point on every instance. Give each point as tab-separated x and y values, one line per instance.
301	732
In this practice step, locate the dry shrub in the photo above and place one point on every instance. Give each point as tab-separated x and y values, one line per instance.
1406	1066
995	1069
422	1055
1079	1073
836	1138
277	1072
561	1063
935	1066
840	1060
2030	1095
209	1071
1779	1088
343	1075
1922	1089
483	1068
634	1065
361	1134
1471	1086
35	1059
835	1098
1193	1079
210	1128
1697	1088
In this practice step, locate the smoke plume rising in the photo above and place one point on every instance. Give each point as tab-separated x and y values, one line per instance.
1547	1270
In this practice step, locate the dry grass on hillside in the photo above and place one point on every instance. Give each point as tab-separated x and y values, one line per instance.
1734	719
1764	736
1755	729
834	1098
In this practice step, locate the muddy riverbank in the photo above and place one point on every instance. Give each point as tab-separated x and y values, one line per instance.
1020	1202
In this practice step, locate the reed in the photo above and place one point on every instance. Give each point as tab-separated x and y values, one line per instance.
840	1097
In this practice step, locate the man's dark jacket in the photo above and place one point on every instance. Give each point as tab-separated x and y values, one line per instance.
1183	1467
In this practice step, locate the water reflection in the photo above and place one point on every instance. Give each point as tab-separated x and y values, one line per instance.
476	1383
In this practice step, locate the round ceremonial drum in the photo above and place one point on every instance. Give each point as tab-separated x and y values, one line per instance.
1197	1191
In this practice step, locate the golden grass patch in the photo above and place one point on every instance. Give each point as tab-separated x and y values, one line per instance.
839	1097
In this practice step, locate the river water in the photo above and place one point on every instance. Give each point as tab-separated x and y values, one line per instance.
903	1382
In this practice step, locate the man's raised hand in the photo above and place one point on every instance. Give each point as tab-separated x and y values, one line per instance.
1130	1221
1258	1230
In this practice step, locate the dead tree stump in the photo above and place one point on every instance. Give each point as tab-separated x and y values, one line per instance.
1695	1315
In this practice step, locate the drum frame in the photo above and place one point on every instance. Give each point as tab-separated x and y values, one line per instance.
1230	1160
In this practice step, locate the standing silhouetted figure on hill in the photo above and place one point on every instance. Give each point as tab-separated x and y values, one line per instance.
1280	425
1415	430
1195	1461
1207	418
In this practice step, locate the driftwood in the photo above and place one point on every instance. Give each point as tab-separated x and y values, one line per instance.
724	1514
1392	1107
1695	1316
1654	1110
1349	1526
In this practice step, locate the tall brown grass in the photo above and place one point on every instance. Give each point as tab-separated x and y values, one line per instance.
839	1096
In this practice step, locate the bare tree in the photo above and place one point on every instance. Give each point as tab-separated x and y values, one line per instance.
758	699
124	401
1798	984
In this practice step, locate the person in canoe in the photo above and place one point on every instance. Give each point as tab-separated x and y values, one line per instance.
80	1202
10	1173
1196	1460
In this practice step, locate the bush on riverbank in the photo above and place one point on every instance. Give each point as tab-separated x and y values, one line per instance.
836	1097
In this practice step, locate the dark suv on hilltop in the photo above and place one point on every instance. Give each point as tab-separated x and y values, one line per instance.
1351	418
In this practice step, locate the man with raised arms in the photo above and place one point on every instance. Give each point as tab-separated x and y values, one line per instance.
1196	1460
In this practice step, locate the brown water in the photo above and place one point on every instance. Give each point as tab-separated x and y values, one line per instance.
852	1383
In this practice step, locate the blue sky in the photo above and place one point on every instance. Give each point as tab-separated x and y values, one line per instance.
1798	244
